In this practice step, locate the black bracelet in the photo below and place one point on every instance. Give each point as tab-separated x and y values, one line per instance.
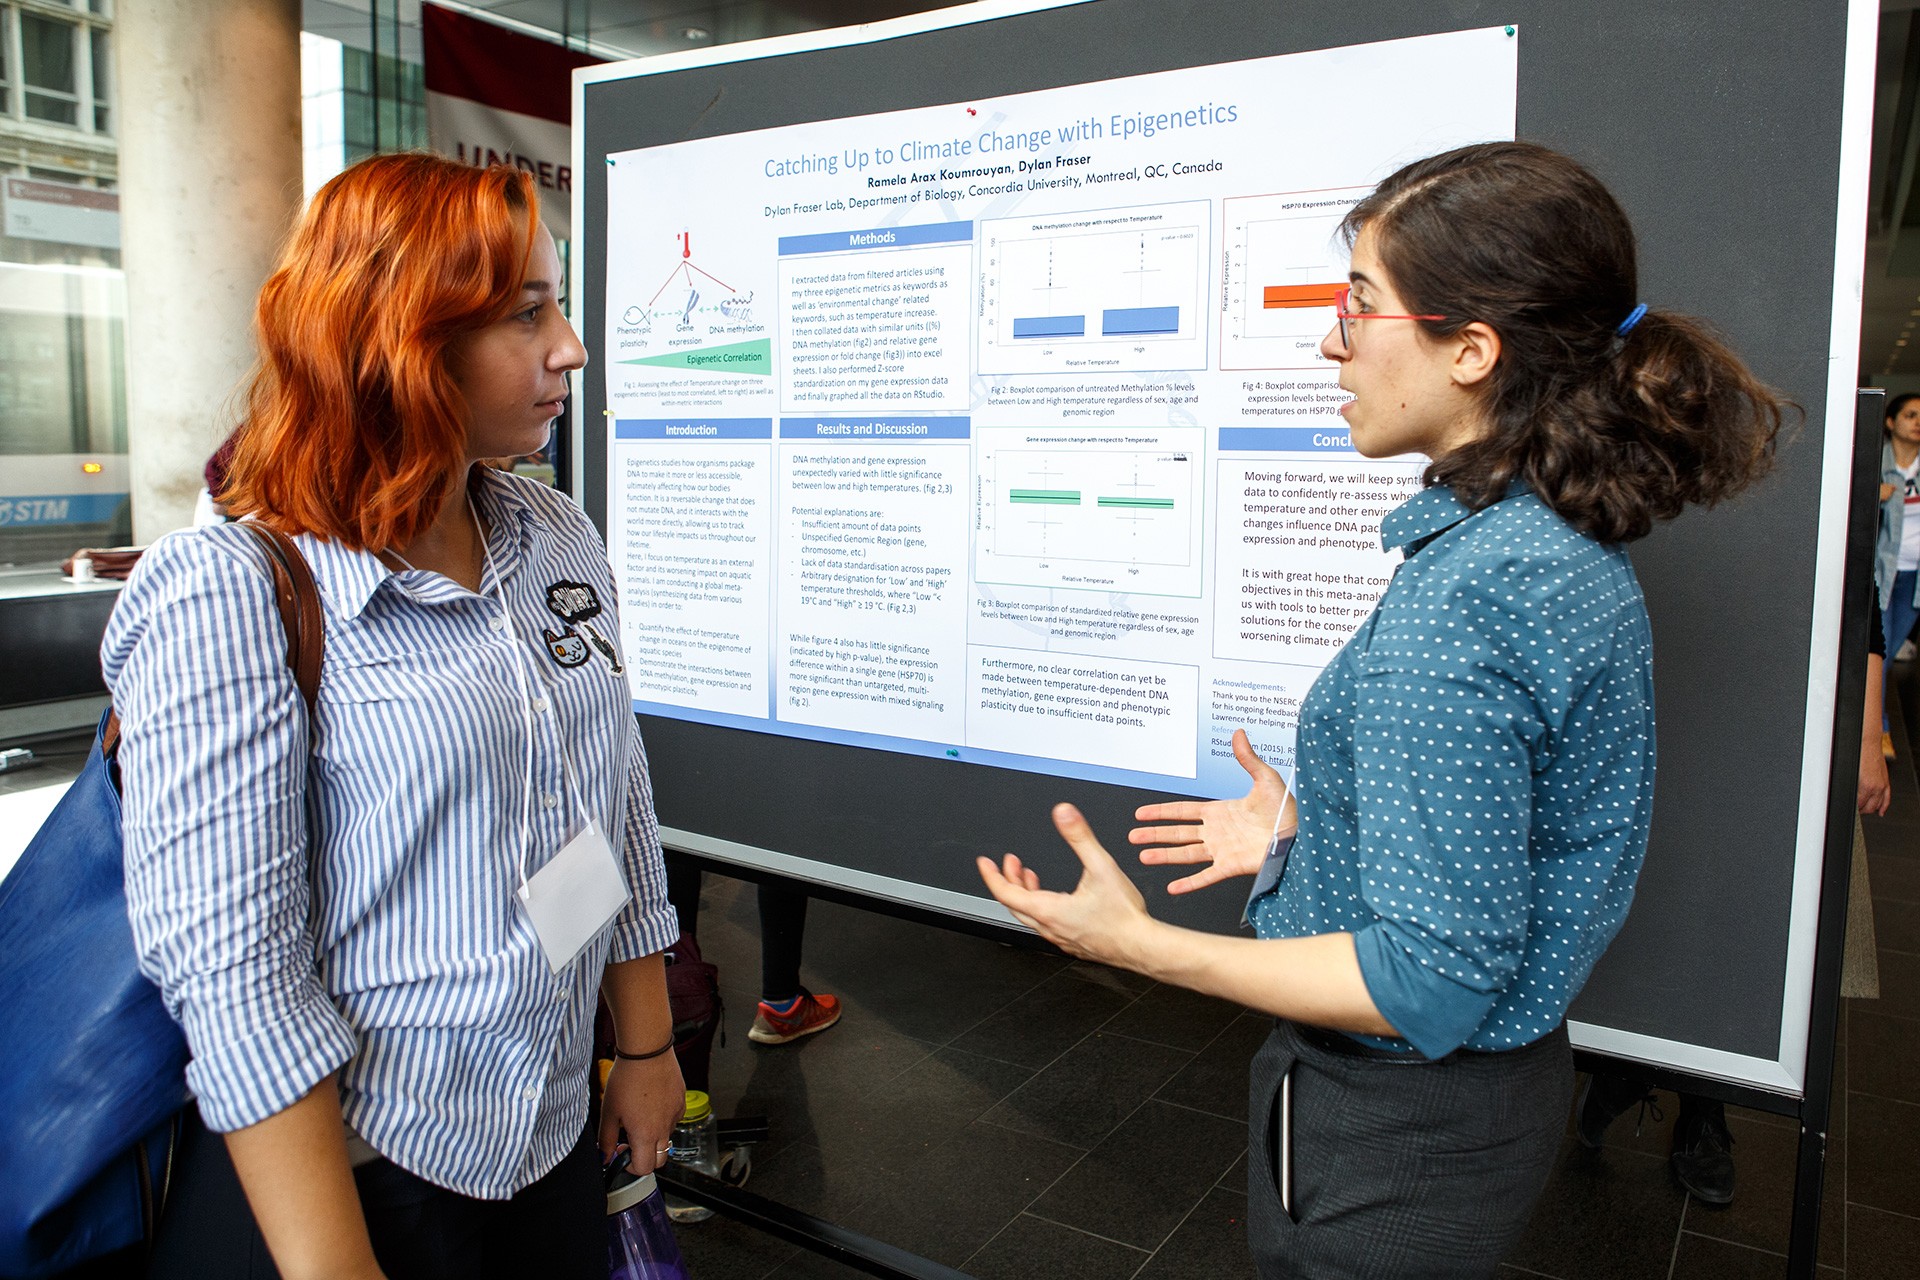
642	1057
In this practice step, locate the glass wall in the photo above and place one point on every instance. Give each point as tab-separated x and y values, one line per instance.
63	409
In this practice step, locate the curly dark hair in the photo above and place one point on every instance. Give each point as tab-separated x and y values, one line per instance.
1613	432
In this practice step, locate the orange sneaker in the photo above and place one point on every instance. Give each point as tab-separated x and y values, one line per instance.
813	1013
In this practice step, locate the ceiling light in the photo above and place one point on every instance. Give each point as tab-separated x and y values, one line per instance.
691	34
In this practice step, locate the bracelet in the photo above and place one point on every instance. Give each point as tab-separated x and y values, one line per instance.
642	1057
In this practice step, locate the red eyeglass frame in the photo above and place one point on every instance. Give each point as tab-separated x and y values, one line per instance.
1342	296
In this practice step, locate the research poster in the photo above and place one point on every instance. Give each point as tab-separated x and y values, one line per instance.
999	431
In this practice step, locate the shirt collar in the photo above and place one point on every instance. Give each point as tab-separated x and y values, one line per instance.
1427	515
348	579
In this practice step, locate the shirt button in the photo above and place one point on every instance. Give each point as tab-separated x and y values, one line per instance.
497	622
549	799
529	1093
539	704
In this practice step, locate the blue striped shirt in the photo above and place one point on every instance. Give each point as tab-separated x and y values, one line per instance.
348	901
1476	775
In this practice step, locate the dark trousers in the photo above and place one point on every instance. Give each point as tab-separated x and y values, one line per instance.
1401	1168
783	926
556	1227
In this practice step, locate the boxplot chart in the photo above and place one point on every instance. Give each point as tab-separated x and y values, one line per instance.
1115	289
1284	261
1092	516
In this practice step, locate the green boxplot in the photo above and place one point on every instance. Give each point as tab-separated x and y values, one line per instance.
754	357
1160	504
1046	497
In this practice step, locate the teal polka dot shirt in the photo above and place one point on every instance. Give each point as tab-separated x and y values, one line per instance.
1476	775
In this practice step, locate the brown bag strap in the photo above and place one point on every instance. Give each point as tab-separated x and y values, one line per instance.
298	600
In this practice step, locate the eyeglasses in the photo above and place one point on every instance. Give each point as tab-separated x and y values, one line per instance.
1342	297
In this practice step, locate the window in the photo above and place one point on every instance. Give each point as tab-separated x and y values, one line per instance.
56	70
47	69
102	81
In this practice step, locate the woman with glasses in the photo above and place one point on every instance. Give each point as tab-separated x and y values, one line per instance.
1476	765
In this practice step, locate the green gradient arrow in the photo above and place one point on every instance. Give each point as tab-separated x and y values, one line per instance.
754	357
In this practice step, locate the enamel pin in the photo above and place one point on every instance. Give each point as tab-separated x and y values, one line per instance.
575	604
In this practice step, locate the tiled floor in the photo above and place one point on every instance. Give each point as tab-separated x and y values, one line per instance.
1017	1115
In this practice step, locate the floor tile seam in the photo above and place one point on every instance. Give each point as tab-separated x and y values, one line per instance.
1900	1017
1891	1213
972	1027
1884	949
987	1243
931	1050
1527	1271
1041	1194
1007	1128
1881	1097
1055	1222
1121	1035
1679	1230
1738	1244
1199	1111
1193	1209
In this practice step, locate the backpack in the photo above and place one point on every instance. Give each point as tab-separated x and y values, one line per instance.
693	995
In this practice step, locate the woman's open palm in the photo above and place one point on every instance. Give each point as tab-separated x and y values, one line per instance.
1230	835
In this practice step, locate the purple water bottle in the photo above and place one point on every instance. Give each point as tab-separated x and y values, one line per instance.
640	1243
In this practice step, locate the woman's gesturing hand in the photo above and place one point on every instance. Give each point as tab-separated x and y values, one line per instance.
646	1099
1232	835
1103	919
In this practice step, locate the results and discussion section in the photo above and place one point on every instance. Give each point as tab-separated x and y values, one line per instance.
999	431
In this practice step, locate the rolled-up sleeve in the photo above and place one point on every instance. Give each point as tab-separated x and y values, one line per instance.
214	761
647	924
1443	770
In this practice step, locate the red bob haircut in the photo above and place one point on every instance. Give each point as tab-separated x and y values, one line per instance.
354	426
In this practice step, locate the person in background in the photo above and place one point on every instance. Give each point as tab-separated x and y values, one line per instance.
1476	765
389	1009
787	1010
1896	563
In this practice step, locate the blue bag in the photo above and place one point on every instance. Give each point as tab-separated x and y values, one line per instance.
94	1069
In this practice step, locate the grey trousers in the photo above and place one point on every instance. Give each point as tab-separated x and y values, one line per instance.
1401	1168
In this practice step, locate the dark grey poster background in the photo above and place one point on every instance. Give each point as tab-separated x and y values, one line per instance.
1717	123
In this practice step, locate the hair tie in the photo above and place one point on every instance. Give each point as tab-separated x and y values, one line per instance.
1633	318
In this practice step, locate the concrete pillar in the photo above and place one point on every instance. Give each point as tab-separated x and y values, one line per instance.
209	116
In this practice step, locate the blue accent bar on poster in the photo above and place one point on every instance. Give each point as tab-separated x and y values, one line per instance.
693	429
1285	440
876	428
877	238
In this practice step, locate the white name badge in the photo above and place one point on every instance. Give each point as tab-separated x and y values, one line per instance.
573	897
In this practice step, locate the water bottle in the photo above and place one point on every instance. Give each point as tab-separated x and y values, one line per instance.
640	1244
695	1144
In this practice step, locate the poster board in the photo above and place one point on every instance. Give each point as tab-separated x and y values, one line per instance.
754	507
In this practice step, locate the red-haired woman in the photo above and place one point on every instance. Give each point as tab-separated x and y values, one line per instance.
383	930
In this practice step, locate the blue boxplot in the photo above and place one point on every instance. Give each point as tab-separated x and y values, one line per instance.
1134	321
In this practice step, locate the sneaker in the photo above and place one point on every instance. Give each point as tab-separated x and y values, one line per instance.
1603	1099
1703	1153
813	1013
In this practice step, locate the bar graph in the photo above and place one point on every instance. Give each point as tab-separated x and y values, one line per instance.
1112	289
1285	260
1077	513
